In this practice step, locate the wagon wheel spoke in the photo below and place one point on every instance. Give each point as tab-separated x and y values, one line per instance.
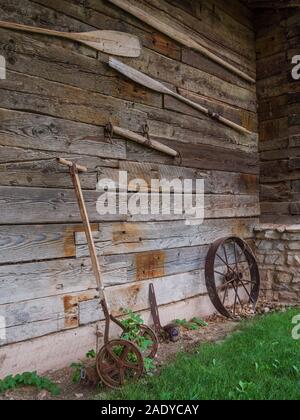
125	353
250	298
227	264
237	298
110	370
218	272
131	365
236	260
114	357
122	375
225	253
224	285
225	294
241	253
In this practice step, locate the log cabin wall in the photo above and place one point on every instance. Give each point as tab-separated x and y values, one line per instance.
278	40
56	100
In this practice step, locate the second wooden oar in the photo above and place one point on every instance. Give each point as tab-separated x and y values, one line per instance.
152	84
179	36
110	42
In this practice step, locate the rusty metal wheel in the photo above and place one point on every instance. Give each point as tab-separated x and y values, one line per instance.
119	362
232	277
150	335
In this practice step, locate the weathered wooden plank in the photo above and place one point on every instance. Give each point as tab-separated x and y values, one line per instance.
216	26
271	65
199	61
271	42
280	219
279	154
35	318
22	282
41	354
273	108
41	96
100	18
216	182
43	173
31	14
154	264
276	171
39	317
180	123
226	53
208	157
127	238
39	205
239	11
41	133
280	191
36	243
239	116
58	64
273	129
168	289
194	80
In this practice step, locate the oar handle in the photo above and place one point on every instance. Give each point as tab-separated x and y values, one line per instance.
32	29
211	114
197	47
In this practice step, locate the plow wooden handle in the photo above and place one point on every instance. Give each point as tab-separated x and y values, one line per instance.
70	164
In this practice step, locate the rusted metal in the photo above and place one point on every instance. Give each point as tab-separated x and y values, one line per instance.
232	276
149	334
119	362
150	265
169	332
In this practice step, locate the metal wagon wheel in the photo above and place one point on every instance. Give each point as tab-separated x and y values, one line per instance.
232	277
150	335
119	362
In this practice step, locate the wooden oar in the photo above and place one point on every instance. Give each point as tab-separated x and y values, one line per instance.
178	36
110	42
152	84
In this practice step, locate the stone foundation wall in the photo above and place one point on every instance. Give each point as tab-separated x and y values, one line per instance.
278	254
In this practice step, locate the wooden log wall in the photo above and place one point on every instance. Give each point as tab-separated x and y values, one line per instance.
56	100
278	40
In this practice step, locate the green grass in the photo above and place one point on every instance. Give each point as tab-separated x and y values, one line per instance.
261	362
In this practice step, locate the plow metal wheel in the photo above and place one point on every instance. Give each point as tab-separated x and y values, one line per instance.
119	362
150	335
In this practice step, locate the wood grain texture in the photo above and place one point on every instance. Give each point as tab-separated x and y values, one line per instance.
279	106
56	101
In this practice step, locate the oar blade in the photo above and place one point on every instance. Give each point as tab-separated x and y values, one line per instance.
111	42
137	76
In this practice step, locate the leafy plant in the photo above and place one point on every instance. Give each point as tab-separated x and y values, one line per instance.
200	322
28	379
132	324
77	369
91	354
192	325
